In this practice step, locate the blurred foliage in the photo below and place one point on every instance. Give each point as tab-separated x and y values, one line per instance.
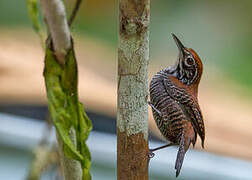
13	12
220	30
97	18
33	11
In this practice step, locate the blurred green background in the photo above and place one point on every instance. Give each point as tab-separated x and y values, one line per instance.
220	30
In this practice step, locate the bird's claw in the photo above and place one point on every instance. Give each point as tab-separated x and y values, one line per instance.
151	154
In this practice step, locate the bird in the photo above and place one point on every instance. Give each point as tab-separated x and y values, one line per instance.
174	102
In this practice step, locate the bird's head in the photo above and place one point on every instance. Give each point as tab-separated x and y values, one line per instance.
189	65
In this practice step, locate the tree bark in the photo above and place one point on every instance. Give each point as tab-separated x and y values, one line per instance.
132	108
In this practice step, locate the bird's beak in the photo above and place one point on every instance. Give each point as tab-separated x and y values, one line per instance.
179	44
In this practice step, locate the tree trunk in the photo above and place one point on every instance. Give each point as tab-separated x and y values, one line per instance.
132	108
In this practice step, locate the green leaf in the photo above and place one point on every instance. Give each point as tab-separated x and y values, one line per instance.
86	127
32	7
66	110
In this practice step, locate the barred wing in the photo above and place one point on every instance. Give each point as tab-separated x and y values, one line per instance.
189	105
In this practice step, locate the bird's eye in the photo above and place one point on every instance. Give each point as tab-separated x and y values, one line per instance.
189	61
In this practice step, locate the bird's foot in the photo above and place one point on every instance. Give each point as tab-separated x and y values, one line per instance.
151	154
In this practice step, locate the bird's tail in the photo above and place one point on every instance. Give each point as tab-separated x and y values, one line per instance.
183	147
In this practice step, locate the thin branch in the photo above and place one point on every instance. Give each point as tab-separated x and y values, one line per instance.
74	12
55	17
45	154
